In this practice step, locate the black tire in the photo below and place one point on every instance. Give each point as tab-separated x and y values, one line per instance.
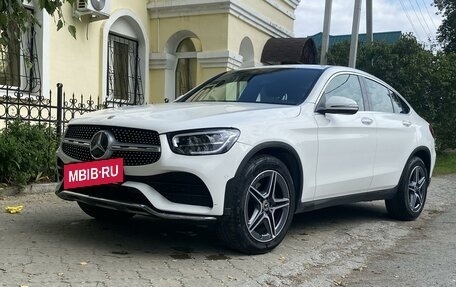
408	203
253	206
104	214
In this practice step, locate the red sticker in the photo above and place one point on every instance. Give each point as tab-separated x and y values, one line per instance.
93	173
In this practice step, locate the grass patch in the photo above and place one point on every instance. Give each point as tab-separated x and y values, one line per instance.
445	164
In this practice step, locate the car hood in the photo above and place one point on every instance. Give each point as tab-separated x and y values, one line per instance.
181	116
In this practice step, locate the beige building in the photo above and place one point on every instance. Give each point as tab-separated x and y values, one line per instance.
143	50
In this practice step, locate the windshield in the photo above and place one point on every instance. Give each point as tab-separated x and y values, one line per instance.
288	86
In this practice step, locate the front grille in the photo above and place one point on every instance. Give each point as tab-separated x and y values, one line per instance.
122	135
77	152
132	158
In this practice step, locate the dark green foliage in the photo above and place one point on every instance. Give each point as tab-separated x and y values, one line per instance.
425	78
27	153
15	19
447	30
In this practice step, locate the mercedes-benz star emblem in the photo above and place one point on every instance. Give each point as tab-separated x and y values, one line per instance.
100	145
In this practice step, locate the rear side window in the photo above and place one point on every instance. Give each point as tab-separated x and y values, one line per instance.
400	107
380	97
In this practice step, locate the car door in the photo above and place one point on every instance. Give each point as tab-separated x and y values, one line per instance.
395	132
346	143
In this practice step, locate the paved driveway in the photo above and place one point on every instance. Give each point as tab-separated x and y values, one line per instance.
52	243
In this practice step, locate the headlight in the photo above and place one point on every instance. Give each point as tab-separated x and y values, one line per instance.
204	142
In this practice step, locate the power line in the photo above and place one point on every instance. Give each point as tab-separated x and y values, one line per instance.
418	18
424	18
434	40
429	14
409	19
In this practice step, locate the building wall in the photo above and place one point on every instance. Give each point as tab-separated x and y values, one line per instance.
277	12
165	35
238	31
80	63
227	34
231	34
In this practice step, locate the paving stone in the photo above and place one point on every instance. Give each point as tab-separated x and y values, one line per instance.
52	243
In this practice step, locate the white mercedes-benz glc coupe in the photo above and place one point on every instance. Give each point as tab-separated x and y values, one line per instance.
251	148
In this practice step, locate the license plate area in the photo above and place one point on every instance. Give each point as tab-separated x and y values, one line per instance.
93	173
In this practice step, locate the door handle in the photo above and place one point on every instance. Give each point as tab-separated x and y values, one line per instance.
367	121
406	123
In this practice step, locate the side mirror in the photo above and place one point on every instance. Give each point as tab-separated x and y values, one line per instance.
339	105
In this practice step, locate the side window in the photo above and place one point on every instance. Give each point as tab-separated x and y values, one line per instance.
399	105
346	86
379	96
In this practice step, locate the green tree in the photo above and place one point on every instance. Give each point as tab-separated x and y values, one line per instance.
443	97
15	19
447	31
424	78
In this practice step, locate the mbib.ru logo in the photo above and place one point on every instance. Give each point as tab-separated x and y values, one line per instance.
93	173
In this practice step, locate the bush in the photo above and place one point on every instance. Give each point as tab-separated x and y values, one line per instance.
27	153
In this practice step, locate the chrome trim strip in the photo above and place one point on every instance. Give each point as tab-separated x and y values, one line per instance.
127	207
135	147
116	146
78	142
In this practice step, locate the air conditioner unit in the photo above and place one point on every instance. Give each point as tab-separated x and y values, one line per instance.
95	9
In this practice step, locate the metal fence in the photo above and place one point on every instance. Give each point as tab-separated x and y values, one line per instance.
56	110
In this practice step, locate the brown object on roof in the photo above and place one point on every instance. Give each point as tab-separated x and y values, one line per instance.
278	51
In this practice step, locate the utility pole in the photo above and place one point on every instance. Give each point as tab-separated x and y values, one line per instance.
325	36
369	24
355	34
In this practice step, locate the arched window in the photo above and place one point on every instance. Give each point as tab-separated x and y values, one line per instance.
124	77
247	53
186	67
181	74
125	50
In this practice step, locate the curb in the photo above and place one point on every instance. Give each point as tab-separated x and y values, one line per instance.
35	188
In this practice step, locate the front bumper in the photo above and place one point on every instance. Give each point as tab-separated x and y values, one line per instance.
193	188
137	208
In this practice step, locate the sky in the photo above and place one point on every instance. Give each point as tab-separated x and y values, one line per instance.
416	16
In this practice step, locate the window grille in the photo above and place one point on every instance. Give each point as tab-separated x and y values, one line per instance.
19	66
124	77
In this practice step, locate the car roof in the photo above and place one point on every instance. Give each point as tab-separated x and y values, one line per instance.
329	68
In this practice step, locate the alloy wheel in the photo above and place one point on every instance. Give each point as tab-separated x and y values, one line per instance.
267	206
417	188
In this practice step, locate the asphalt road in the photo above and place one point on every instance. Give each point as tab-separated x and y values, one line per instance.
52	243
